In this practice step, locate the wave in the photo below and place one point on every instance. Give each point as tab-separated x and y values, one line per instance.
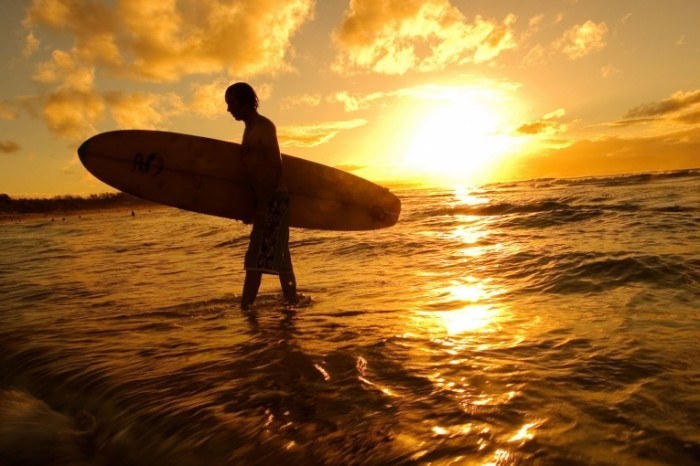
619	180
595	273
564	209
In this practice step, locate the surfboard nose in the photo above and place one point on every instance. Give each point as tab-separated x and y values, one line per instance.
82	151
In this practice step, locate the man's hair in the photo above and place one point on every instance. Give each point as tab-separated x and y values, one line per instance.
244	93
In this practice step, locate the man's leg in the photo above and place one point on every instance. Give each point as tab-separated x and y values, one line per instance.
250	288
289	287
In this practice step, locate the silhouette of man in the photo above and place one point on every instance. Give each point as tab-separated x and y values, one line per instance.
268	250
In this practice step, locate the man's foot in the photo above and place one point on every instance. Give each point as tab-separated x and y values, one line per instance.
292	299
299	301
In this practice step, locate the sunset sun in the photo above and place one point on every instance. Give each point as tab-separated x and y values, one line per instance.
460	137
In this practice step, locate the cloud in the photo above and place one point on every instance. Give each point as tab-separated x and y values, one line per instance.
680	108
152	40
534	22
72	166
142	110
208	98
394	36
305	100
536	54
608	71
353	103
575	43
72	113
164	40
615	155
65	71
31	45
677	102
436	93
356	102
548	124
350	167
32	105
316	134
6	111
582	39
9	147
690	118
91	24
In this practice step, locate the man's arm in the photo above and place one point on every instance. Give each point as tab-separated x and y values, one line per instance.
269	171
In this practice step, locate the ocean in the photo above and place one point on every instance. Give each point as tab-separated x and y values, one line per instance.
547	322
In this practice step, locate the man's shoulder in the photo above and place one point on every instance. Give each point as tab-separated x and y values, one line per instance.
266	124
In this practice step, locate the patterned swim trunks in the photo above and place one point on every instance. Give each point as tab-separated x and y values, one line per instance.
268	250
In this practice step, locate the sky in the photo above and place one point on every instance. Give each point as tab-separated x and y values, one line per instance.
437	92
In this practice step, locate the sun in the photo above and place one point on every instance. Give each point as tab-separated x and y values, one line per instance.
460	136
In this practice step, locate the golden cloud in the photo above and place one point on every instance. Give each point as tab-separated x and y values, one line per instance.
163	40
156	40
424	92
305	100
142	110
690	118
608	71
679	101
681	107
71	113
8	147
583	39
208	98
353	103
6	111
576	42
65	69
548	124
317	134
350	167
31	45
394	36
672	151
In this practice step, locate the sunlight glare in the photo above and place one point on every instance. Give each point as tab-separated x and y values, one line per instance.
469	319
461	136
468	196
525	433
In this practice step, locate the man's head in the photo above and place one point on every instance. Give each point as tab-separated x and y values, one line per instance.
243	94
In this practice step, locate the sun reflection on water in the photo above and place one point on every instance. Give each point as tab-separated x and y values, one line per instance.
460	307
466	195
469	319
463	318
525	433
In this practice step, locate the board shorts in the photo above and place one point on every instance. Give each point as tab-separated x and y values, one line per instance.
268	250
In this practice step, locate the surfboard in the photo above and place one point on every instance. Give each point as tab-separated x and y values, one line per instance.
209	176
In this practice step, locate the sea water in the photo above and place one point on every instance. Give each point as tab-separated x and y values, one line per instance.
539	322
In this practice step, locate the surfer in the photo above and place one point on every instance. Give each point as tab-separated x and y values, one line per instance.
268	250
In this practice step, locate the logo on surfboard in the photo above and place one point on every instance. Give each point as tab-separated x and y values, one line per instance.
152	164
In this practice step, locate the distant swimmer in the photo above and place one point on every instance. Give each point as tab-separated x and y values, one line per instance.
268	250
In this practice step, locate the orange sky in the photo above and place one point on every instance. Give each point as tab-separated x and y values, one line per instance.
448	91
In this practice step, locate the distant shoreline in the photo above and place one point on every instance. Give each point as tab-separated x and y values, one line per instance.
60	208
66	216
